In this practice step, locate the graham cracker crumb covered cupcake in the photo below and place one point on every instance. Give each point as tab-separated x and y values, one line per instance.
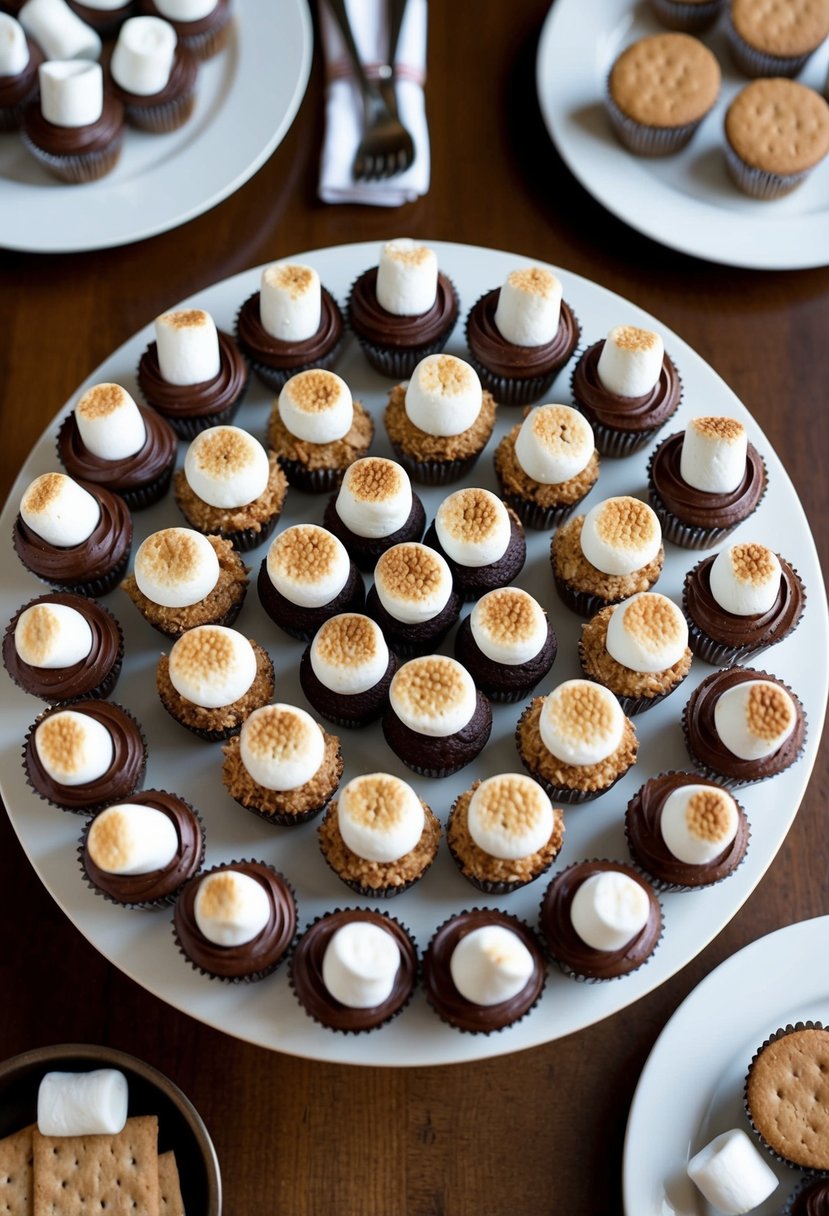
413	599
481	538
547	464
776	132
20	58
507	644
76	127
64	648
153	74
775	38
306	579
374	509
437	721
346	671
317	430
787	1095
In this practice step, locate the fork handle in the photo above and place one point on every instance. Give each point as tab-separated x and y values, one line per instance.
368	87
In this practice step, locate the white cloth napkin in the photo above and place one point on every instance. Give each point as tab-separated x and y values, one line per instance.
344	109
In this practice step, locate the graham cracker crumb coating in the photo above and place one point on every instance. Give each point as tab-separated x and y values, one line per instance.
585	777
514	480
225	716
599	665
475	863
572	567
217	604
311	796
378	874
338	454
419	445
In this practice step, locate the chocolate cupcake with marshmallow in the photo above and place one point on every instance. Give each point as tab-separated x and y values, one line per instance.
153	75
306	578
546	465
64	648
374	509
507	644
20	59
76	129
481	538
437	721
202	26
59	32
413	599
346	671
317	430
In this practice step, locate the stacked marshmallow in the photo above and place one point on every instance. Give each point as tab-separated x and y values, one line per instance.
308	565
281	746
714	454
82	1103
14	48
529	307
521	643
754	718
316	406
110	423
380	817
226	467
59	510
510	816
59	32
290	301
581	723
349	654
144	54
433	695
407	278
554	444
679	823
131	838
443	396
630	362
732	1174
212	666
52	636
490	965
620	535
375	497
473	527
176	567
187	343
360	965
73	748
230	908
608	910
413	582
745	587
647	633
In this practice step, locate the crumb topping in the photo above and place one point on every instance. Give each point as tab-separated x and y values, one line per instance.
378	801
60	741
409	572
294	279
534	280
204	650
346	641
222	452
186	318
170	556
470	514
277	734
304	553
707	815
447	376
43	491
753	564
108	840
374	479
315	391
769	711
429	685
39	631
626	523
101	401
510	801
728	429
508	615
630	337
653	621
581	713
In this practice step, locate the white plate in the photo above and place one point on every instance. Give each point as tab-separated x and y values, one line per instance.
247	98
698	1064
267	1013
687	201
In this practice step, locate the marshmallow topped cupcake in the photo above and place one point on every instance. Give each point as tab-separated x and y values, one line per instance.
413	599
547	464
346	671
153	74
374	509
317	430
481	538
58	31
507	644
202	26
306	578
64	648
76	130
20	58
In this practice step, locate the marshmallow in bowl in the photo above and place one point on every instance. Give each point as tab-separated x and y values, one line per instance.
14	49
630	361
230	908
380	817
185	10
73	748
188	346
529	306
473	527
375	497
360	965
407	278
308	565
316	406
732	1174
508	626
444	395
754	718
433	695
58	31
71	92
349	654
131	838
698	822
554	444
647	633
109	422
608	910
51	636
281	746
621	535
510	816
714	453
226	467
212	665
745	579
413	582
82	1103
290	301
175	567
59	511
581	722
490	965
144	55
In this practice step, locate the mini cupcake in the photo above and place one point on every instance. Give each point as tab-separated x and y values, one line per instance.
483	971
193	374
743	726
317	430
140	853
85	756
685	832
378	837
306	579
627	387
153	77
689	16
546	465
104	16
282	766
440	422
809	1198
20	59
213	679
576	742
346	671
638	649
64	648
704	481
611	553
110	441
236	922
740	602
202	26
76	129
776	133
413	599
521	334
181	579
507	644
504	833
74	535
786	1095
437	721
291	324
231	487
600	920
778	39
481	538
354	969
403	309
374	509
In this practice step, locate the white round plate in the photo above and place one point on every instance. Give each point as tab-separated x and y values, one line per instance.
267	1013
701	1059
686	201
247	97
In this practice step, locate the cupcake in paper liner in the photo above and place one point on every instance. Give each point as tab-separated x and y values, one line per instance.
213	679
374	510
761	46
767	168
347	669
318	430
481	539
19	64
203	36
786	1096
688	16
153	75
307	578
507	644
76	127
809	1198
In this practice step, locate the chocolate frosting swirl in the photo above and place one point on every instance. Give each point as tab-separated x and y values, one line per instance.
145	466
76	141
180	82
812	1199
752	632
258	344
23	85
370	321
194	400
108	545
81	679
488	344
624	413
698	507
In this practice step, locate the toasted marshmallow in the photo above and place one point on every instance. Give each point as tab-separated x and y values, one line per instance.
185	10
176	567
621	535
407	278
308	565
131	838
109	422
647	632
630	361
59	511
51	636
754	718
281	746
529	307
510	816
231	908
14	49
698	822
316	406
212	665
433	695
581	722
349	654
290	301
554	444
375	498
226	467
473	527
360	965
58	31
608	910
714	453
380	817
413	582
508	626
82	1103
745	579
71	92
490	965
187	343
144	55
732	1173
73	748
443	396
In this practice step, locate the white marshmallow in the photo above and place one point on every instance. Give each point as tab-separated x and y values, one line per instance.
59	511
59	32
231	908
621	535
754	718
413	582
308	565
82	1103
316	406
433	695
144	55
698	822
110	423
630	362
290	301
132	838
732	1173
490	965
349	654
14	49
176	567
188	347
51	636
380	817
508	626
104	6
212	665
510	816
581	722
473	527
73	748
360	965
185	10
647	633
281	746
608	910
444	395
554	444
529	307
407	278
714	453
226	467
71	92
375	498
745	579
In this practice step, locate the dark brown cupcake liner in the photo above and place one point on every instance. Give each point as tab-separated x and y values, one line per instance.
809	1171
220	734
585	603
724	654
561	793
645	140
513	390
801	1192
541	519
689	18
631	705
691	536
102	690
189	428
275	378
399	362
434	472
618	444
491	887
161	119
281	819
208	43
753	62
311	481
388	892
80	166
139	497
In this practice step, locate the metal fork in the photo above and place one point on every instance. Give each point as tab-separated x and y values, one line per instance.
386	149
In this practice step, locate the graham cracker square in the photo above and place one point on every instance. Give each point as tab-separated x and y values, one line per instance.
170	1200
16	1173
79	1175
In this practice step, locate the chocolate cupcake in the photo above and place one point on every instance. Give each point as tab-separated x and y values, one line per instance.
20	59
317	430
810	1198
546	465
786	1096
104	18
64	648
689	16
346	671
413	599
374	509
481	538
507	644
206	34
777	40
306	579
76	128
437	721
152	76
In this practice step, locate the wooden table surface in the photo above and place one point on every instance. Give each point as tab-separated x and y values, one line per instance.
541	1131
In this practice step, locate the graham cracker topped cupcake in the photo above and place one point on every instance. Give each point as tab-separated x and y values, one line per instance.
787	1095
776	132
777	37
